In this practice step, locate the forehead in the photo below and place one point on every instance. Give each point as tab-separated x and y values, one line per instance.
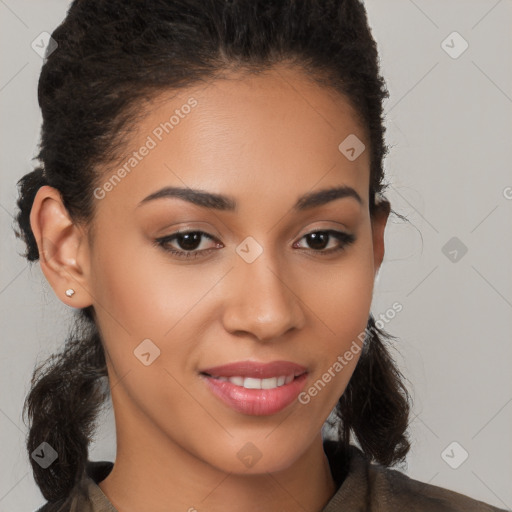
274	134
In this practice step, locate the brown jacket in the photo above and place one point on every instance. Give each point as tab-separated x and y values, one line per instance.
362	487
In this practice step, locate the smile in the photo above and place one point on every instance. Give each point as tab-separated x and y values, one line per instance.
253	383
256	401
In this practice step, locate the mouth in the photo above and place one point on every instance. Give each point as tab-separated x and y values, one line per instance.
258	389
255	383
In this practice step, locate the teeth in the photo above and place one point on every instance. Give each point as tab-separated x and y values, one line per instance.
268	383
252	383
238	381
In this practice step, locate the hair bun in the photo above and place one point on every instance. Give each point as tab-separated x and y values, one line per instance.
28	187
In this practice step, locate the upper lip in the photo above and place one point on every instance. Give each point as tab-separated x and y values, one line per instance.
256	370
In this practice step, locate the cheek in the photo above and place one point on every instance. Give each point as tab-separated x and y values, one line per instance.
140	295
139	298
339	294
341	300
139	289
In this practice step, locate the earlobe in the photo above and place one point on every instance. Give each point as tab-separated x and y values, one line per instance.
63	248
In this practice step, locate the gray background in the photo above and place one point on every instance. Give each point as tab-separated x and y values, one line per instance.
449	126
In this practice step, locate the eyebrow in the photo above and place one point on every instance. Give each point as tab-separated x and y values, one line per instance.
228	203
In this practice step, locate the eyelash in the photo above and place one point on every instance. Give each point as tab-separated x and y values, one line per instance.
346	239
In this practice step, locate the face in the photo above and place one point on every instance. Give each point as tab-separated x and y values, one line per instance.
262	277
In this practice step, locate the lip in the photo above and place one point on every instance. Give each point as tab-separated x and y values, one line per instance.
255	370
256	402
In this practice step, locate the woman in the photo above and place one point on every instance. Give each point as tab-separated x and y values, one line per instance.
210	200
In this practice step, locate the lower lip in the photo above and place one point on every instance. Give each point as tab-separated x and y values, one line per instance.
256	402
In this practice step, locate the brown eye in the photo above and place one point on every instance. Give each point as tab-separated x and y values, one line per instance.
318	240
187	241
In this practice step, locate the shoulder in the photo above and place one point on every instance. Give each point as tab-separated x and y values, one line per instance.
404	493
372	487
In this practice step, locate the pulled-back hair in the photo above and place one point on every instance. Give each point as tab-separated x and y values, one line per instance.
112	56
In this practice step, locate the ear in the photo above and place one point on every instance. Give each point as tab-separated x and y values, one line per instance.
378	226
63	248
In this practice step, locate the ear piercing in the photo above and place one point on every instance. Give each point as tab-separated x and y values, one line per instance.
70	292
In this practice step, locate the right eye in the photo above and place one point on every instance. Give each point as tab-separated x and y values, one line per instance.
188	241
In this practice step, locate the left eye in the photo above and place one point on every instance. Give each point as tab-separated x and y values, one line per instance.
189	240
320	237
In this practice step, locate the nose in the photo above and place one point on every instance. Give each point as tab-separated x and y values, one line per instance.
262	300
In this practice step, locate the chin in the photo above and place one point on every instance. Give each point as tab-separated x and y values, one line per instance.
249	458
